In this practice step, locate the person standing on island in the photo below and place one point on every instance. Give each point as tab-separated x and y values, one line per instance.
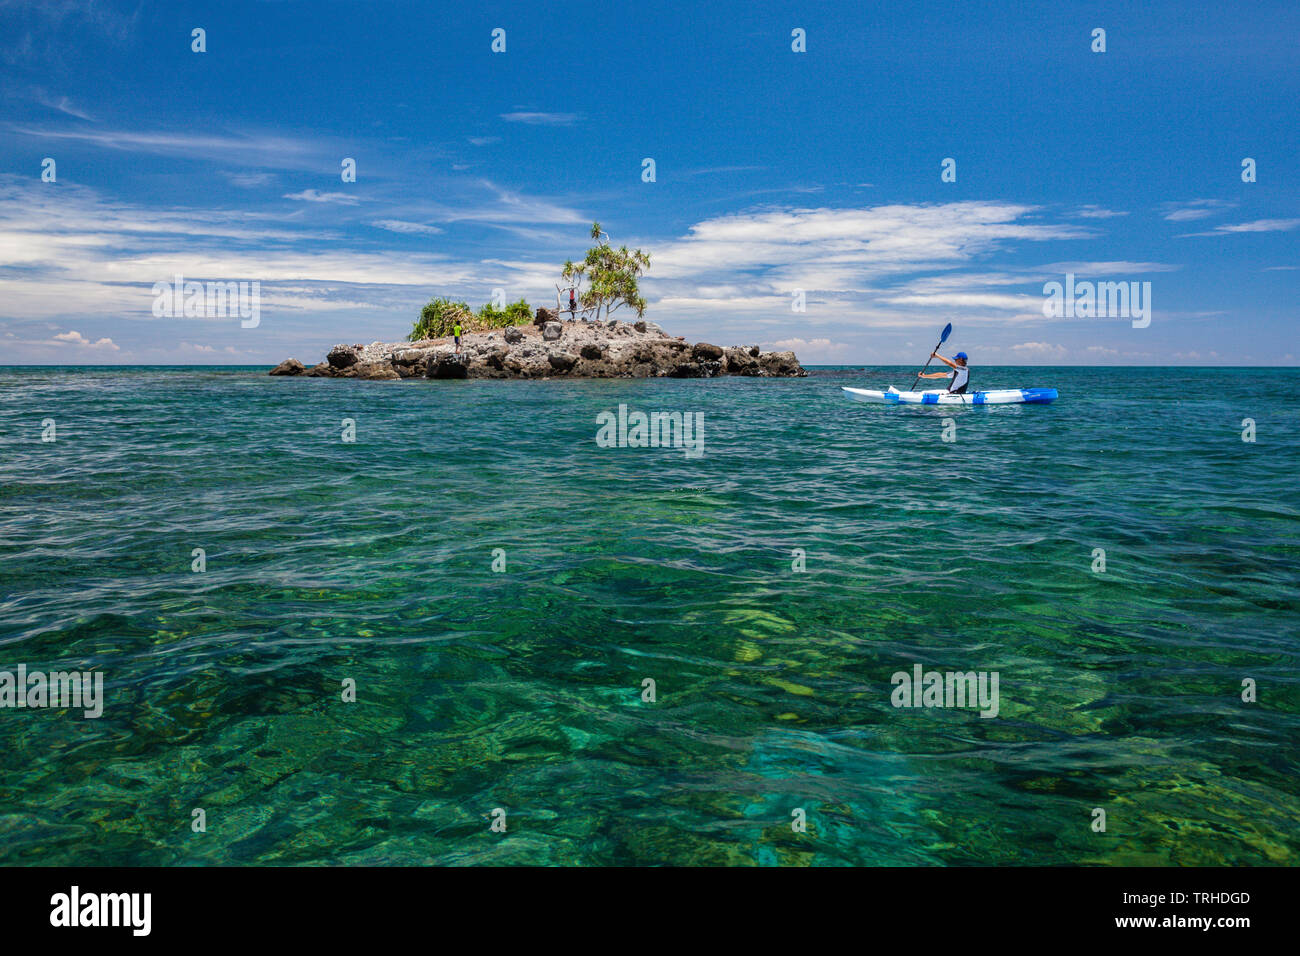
573	304
455	330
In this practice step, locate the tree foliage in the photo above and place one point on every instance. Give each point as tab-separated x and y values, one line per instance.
606	279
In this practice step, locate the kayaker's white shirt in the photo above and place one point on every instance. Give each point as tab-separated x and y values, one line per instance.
960	376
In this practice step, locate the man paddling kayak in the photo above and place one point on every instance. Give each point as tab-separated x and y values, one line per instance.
960	372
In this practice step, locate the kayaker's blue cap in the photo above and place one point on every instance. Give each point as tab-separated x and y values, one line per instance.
961	355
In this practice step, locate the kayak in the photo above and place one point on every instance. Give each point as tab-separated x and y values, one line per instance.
1005	396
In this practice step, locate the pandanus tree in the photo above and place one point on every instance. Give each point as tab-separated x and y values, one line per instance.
607	278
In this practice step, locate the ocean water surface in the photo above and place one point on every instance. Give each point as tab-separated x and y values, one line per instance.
522	689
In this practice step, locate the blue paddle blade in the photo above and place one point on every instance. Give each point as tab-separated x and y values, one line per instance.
947	331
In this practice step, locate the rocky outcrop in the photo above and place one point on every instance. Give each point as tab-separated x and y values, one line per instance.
446	366
409	356
376	371
342	356
552	349
780	364
288	367
742	360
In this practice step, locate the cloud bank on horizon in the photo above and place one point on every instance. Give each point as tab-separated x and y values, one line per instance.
845	201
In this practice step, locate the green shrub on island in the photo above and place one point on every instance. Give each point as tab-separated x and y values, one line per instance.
516	313
439	318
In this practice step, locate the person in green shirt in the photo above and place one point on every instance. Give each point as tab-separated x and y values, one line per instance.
455	330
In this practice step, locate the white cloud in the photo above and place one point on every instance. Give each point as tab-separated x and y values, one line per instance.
541	119
274	150
1261	225
312	195
1097	212
62	104
849	263
721	305
248	180
818	351
1107	269
402	226
43	41
69	253
802	343
849	245
1040	349
1195	209
972	300
1258	225
76	338
714	170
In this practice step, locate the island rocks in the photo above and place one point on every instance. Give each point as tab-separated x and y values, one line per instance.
550	348
342	356
288	367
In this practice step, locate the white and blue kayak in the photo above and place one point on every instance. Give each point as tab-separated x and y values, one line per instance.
1005	396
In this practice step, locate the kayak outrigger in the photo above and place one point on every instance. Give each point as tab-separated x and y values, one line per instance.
955	393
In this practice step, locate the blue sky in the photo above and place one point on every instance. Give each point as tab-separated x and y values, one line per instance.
775	171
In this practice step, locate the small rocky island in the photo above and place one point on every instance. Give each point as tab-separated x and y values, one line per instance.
550	348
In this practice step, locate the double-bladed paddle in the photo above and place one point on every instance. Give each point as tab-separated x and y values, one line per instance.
947	331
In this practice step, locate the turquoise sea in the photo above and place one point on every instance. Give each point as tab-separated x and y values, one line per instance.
522	689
